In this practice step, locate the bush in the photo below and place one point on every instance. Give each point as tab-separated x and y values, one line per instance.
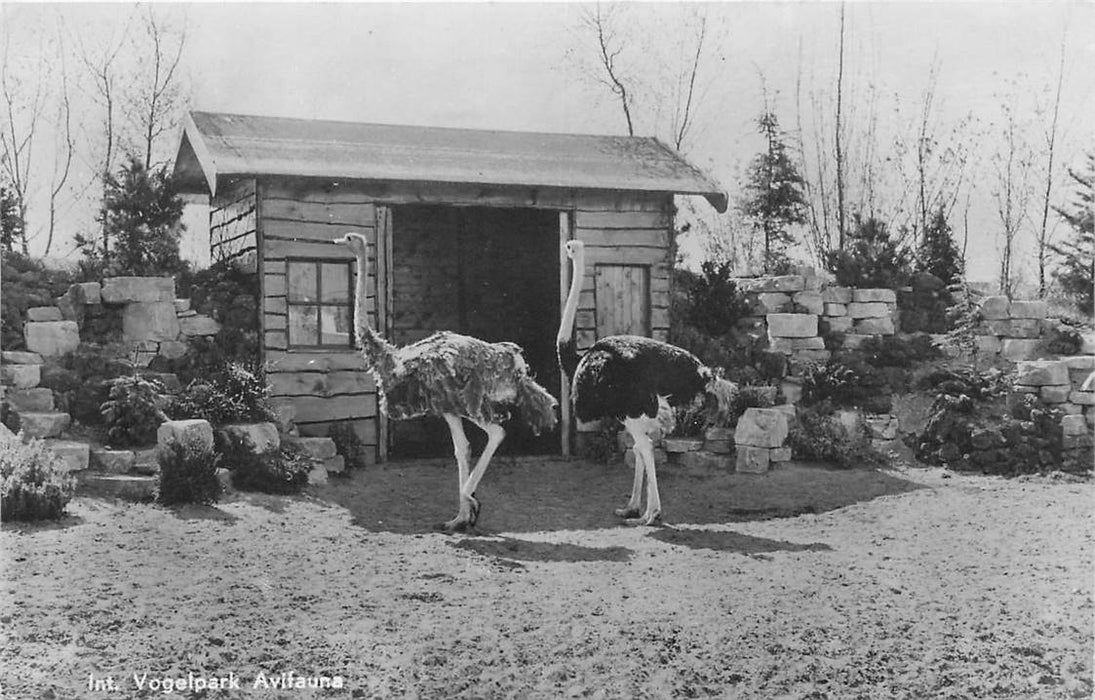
81	380
188	475
903	351
34	485
277	471
846	381
27	282
870	259
133	414
817	436
712	302
235	395
349	445
231	297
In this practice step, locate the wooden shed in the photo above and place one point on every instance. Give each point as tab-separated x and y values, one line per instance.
465	228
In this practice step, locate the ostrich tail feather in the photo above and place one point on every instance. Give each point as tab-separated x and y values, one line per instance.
536	405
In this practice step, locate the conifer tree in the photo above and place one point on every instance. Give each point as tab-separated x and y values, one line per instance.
774	195
938	253
1076	270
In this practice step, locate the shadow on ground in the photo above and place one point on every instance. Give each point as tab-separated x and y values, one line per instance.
731	542
536	494
523	550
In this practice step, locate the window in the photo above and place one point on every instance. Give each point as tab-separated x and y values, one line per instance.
320	311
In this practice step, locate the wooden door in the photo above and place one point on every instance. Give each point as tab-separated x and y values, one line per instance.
623	300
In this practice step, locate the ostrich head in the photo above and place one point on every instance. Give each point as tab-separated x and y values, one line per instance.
574	248
355	241
719	395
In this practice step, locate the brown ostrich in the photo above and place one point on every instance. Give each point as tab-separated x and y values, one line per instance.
453	376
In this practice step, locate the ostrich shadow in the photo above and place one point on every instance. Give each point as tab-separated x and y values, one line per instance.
730	541
537	494
512	549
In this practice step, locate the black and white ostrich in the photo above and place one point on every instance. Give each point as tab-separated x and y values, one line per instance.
637	381
453	376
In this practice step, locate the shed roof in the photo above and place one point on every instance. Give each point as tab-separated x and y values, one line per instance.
215	146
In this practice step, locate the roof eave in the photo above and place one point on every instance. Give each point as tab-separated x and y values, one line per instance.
195	168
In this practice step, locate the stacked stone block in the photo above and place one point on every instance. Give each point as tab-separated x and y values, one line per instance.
759	439
1013	330
1062	385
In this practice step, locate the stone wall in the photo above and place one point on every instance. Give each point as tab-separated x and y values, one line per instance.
1013	330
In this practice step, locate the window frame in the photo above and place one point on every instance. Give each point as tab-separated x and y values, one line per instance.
318	304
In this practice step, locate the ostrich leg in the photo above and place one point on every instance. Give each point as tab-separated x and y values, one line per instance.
636	428
644	454
460	447
495	435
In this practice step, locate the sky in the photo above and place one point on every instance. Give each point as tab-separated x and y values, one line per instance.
511	65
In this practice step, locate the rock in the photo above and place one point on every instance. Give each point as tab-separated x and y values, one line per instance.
784	283
792	325
805	356
195	435
112	461
44	313
851	418
779	454
172	349
85	293
719	447
874	326
125	290
752	460
128	487
1082	398
40	425
73	455
1015	327
318	448
881	426
995	307
52	338
814	343
836	295
719	433
1041	373
887	296
772	302
809	301
16	357
149	320
988	344
335	465
836	309
20	376
672	445
146	461
927	282
262	437
853	341
1054	394
703	461
224	477
870	309
761	427
39	399
1028	309
318	475
198	325
1018	349
1073	425
791	388
836	324
182	305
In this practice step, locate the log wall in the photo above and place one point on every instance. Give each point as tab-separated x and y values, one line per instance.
233	225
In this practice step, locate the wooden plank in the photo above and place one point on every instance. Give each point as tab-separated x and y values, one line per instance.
312	408
324	384
658	219
646	238
365	428
625	256
622	301
315	361
309	231
280	249
275	339
273	284
566	221
331	213
385	301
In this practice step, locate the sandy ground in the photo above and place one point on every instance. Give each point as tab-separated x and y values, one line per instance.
802	583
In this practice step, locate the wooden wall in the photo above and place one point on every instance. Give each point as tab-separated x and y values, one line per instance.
233	225
298	217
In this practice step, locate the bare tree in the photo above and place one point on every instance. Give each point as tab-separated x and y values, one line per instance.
1050	135
838	139
1012	192
64	147
158	97
599	20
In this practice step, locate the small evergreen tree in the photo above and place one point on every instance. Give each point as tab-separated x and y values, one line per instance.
1076	270
12	226
870	258
141	216
774	199
938	253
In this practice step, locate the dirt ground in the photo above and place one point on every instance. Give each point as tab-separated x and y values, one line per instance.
801	583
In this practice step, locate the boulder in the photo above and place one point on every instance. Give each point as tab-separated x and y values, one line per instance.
39	399
1054	394
112	461
1018	349
73	455
126	290
52	338
868	309
172	349
995	307
1028	309
20	376
779	454
149	320
1041	373
194	434
719	447
988	344
47	424
16	357
1074	425
198	325
1082	398
44	313
792	325
887	296
752	460
761	427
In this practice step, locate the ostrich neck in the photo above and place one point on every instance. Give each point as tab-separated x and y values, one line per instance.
570	310
379	353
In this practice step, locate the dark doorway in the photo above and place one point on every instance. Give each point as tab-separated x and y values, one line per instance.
491	273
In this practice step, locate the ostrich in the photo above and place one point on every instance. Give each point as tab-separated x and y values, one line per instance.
635	380
453	376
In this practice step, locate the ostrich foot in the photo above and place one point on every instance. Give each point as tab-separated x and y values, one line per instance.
457	524
628	512
646	519
476	506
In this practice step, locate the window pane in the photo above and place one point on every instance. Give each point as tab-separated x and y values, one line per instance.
302	281
336	283
304	325
336	325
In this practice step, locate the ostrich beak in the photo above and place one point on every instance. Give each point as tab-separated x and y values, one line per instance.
341	240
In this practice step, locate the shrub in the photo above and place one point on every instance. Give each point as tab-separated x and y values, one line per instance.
894	351
1065	338
231	297
235	395
34	485
349	445
845	381
133	412
817	436
277	471
870	258
713	303
81	380
188	475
